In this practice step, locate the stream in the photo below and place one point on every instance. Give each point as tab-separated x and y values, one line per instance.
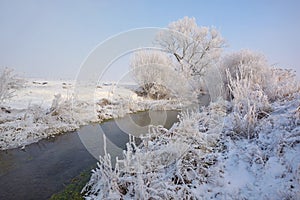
45	167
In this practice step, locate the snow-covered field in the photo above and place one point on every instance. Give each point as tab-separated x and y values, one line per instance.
45	108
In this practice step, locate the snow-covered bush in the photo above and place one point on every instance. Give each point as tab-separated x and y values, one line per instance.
245	64
249	65
22	127
9	83
283	85
61	115
252	84
169	164
250	103
154	73
60	105
150	70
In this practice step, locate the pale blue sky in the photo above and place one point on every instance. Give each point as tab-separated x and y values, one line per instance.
52	38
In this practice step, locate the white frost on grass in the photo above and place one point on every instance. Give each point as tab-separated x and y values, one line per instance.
213	163
45	108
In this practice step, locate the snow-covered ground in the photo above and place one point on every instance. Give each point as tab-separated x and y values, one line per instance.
45	108
202	158
247	148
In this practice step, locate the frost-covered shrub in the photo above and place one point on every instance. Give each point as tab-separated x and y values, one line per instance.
247	94
245	64
169	164
150	70
250	103
297	113
60	113
154	91
249	65
9	83
284	84
252	84
157	78
62	109
22	127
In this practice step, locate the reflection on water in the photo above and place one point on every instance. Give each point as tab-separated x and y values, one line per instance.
117	131
45	167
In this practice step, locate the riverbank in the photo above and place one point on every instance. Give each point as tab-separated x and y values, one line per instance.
44	109
55	164
217	153
73	189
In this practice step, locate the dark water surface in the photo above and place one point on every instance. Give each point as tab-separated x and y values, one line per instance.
44	168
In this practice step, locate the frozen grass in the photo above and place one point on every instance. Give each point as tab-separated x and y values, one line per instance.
246	148
199	158
42	109
9	83
246	65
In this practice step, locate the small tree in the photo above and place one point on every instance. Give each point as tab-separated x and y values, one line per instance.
195	48
150	70
9	83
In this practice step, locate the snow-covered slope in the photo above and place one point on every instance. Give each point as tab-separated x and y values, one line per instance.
201	158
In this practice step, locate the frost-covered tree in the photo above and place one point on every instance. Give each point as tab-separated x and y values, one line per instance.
147	66
192	49
195	48
150	70
9	83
